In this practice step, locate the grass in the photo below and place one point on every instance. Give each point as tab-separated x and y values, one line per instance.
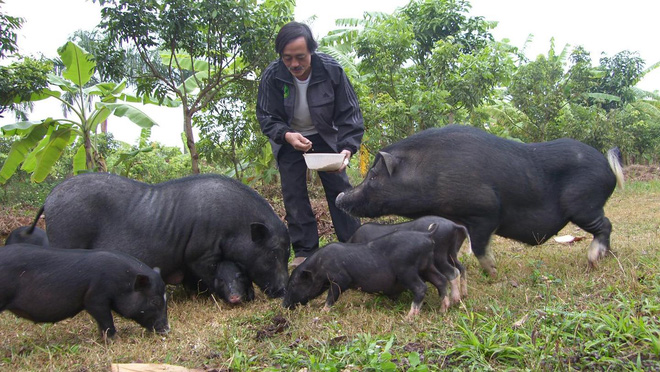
546	311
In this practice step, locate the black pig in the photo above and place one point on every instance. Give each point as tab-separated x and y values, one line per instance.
448	238
46	285
491	185
185	225
389	265
29	235
231	283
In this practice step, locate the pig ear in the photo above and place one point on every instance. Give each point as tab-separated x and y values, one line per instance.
306	275
390	161
142	282
259	232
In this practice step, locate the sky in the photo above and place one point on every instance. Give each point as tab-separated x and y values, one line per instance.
600	26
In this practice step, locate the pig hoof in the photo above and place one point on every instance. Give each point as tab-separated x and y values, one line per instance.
445	304
492	272
464	288
412	313
414	310
455	298
326	309
487	263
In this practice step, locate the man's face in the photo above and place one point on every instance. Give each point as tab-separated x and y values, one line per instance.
297	58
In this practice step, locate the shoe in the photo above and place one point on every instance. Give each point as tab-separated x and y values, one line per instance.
296	262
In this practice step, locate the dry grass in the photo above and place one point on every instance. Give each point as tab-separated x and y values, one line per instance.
533	282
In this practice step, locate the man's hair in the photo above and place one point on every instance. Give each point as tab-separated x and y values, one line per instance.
292	31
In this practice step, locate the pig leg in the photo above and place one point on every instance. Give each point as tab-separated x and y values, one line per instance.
418	288
249	293
454	276
464	286
433	275
480	240
103	316
456	287
601	228
454	261
333	294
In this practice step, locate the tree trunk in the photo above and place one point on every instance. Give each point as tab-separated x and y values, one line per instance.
190	141
89	156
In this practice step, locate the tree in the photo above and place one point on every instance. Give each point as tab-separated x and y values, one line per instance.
19	79
8	27
205	46
537	89
42	142
619	75
427	65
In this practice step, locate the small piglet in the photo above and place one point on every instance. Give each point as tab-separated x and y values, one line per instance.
389	265
46	285
448	237
28	234
232	283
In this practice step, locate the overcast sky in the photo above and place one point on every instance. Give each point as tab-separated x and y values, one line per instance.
600	26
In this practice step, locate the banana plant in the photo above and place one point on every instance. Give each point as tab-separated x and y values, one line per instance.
41	143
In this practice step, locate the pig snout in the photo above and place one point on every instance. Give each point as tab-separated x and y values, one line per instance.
287	303
235	299
277	287
275	292
353	202
162	329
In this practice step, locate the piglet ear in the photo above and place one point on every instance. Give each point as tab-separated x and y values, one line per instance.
306	275
259	232
390	161
142	282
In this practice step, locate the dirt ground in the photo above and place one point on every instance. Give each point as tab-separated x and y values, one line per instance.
11	218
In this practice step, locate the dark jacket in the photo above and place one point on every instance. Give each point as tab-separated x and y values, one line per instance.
332	102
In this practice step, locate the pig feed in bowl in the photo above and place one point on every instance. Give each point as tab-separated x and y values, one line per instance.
326	162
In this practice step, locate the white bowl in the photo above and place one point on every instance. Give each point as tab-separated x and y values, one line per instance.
324	162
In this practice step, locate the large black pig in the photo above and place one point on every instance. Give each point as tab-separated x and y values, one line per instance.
447	237
388	265
46	285
491	185
185	225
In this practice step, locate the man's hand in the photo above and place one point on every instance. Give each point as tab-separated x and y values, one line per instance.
347	158
298	141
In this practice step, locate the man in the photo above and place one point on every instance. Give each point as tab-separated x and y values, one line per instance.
306	103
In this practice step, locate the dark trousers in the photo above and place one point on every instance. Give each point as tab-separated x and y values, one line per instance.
300	217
